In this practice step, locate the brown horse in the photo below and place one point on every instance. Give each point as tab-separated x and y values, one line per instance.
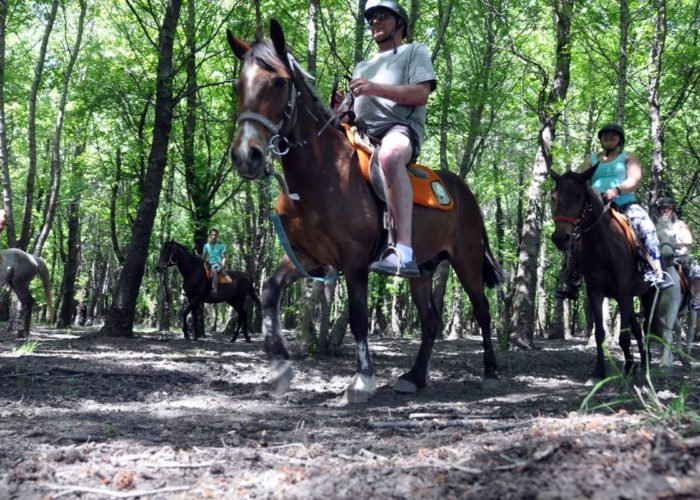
337	220
608	264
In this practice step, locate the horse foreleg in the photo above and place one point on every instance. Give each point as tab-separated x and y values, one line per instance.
363	384
183	316
626	318
198	321
596	302
416	378
273	289
692	323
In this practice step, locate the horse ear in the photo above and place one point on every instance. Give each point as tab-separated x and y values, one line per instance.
238	46
587	174
554	175
277	37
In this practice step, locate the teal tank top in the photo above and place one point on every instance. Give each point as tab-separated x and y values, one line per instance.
610	175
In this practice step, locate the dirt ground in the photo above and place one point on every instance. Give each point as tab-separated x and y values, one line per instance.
160	417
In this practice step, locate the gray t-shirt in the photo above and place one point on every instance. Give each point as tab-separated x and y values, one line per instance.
409	66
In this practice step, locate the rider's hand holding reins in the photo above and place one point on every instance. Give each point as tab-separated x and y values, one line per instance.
611	194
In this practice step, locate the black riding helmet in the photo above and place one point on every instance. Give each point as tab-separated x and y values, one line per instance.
615	128
666	201
374	5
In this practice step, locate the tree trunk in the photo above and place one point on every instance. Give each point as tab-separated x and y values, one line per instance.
622	67
73	254
541	293
522	325
655	122
25	232
312	45
4	160
52	198
120	318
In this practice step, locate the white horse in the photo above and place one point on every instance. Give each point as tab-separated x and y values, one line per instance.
669	300
17	269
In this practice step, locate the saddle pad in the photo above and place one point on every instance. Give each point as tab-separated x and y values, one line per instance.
624	224
428	189
632	239
224	279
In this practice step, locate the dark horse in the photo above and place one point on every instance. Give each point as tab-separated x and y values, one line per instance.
608	264
337	220
197	287
17	269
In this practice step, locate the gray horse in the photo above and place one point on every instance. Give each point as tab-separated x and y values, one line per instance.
669	300
17	269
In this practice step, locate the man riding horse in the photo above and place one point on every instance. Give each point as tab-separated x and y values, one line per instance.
392	105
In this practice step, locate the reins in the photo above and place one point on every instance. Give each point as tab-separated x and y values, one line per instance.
578	223
280	145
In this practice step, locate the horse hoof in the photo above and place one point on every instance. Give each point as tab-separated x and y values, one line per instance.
403	386
360	389
282	375
591	381
233	339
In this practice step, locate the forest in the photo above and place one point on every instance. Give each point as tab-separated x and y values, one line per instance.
117	120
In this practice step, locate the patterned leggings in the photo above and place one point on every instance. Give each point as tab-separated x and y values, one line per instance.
642	225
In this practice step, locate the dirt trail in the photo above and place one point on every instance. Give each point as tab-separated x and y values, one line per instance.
159	417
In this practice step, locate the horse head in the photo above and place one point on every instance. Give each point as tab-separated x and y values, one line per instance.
267	98
572	199
667	241
167	256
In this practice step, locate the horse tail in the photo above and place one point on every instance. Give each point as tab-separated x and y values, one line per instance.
254	295
493	274
44	273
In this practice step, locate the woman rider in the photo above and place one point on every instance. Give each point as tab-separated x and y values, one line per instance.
617	177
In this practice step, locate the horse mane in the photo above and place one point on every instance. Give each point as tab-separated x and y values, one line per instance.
182	247
265	56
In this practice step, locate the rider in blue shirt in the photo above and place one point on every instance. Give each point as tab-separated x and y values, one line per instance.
618	175
215	255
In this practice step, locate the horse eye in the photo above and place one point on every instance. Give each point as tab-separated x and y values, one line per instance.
280	82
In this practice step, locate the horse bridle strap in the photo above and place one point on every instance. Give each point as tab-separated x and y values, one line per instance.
579	230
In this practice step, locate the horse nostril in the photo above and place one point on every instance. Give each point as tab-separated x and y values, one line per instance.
256	157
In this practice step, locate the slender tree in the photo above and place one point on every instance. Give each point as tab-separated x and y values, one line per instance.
120	318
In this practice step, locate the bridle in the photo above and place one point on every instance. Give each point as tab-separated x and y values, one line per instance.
171	261
579	223
280	143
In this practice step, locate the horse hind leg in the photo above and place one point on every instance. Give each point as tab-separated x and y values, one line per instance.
241	323
627	322
416	378
26	305
471	278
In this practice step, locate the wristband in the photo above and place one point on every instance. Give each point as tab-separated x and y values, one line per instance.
619	191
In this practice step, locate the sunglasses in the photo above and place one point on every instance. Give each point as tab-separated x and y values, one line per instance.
380	16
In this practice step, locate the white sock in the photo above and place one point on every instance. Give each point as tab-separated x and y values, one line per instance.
405	251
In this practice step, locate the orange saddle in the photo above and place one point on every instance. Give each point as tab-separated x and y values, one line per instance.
428	189
224	279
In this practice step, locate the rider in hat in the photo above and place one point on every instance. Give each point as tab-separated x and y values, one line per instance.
618	175
666	206
393	106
